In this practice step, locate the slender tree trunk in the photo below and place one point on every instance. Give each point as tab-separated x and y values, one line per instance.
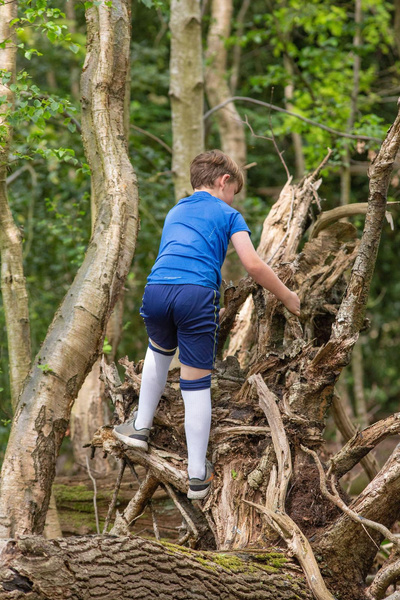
13	288
186	90
357	367
91	409
397	25
230	125
237	50
74	339
74	70
296	137
345	176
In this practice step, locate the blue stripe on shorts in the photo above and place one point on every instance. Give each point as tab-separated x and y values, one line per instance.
183	315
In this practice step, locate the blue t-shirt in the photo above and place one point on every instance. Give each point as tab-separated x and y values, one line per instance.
194	241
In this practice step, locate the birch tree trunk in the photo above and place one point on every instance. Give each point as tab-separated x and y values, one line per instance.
91	409
186	91
74	339
13	288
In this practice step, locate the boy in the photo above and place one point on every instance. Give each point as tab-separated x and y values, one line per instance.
181	305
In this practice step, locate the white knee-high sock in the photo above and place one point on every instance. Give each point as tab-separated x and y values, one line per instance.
154	377
197	429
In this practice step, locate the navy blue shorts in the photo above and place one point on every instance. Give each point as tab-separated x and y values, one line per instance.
184	316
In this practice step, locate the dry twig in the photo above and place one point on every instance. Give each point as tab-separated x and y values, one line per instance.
96	513
115	496
336	499
183	512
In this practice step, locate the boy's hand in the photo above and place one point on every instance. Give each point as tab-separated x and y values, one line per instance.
292	303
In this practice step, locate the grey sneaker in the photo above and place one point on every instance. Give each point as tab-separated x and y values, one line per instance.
200	488
127	433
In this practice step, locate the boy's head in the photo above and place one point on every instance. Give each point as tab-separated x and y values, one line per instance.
208	166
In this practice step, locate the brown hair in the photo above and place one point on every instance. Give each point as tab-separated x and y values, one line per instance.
208	166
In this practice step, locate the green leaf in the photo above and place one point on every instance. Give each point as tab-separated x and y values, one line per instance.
45	368
106	346
74	48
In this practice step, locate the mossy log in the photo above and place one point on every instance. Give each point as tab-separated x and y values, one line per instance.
75	507
106	568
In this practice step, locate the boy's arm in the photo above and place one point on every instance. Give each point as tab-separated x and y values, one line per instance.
262	273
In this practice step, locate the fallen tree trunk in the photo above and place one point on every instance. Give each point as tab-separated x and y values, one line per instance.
107	568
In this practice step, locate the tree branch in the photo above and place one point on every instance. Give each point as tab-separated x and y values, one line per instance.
328	217
136	506
336	499
387	575
363	442
348	430
268	402
115	496
292	114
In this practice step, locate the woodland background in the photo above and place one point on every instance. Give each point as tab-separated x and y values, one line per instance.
334	66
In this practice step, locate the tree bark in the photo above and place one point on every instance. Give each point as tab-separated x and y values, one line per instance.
75	337
13	288
108	567
186	91
347	545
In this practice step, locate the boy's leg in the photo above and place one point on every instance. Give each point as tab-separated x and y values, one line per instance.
196	395
197	319
154	377
161	330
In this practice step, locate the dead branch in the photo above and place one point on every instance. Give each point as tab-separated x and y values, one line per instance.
299	546
160	468
362	443
336	499
348	430
379	502
184	513
268	402
115	496
155	524
292	114
328	217
385	577
96	512
136	506
220	433
269	139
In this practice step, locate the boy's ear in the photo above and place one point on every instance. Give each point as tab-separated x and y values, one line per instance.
225	179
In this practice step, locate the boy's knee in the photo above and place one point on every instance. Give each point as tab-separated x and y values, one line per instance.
203	383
